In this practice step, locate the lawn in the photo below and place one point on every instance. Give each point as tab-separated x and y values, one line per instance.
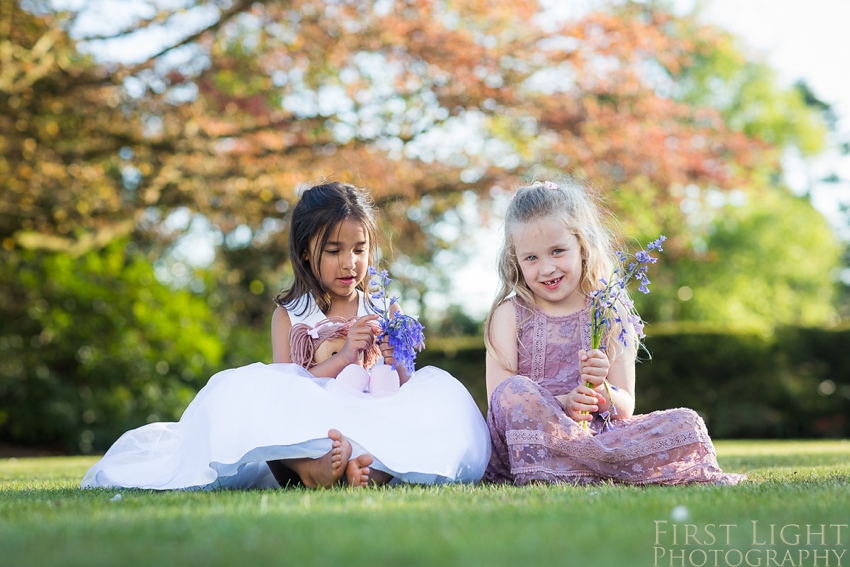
801	488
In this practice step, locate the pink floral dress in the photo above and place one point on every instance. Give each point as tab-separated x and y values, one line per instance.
535	440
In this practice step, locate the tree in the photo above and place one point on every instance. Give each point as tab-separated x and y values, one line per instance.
758	256
379	93
419	100
91	343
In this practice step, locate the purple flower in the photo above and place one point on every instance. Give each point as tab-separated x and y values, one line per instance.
404	333
656	244
604	302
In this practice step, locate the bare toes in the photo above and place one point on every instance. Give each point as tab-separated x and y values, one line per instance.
357	471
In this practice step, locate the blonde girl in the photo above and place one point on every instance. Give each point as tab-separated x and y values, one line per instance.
556	249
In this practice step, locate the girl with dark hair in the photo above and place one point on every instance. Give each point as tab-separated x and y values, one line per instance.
282	424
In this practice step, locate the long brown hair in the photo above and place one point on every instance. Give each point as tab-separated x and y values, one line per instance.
319	211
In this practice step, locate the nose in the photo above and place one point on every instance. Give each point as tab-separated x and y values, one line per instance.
347	261
549	268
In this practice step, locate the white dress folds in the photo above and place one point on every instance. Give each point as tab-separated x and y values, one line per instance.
430	431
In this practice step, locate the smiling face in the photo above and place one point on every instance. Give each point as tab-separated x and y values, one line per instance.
343	261
550	259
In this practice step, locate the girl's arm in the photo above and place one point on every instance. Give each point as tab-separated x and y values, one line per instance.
502	362
358	339
281	326
388	352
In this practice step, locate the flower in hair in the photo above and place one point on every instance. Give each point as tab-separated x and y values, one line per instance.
550	185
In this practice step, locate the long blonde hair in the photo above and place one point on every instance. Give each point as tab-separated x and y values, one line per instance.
578	206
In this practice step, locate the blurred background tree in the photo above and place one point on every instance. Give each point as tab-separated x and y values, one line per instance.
187	158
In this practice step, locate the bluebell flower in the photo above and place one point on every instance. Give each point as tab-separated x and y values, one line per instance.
656	244
404	333
604	303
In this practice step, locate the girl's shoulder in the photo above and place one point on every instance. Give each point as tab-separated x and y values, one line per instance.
508	311
507	306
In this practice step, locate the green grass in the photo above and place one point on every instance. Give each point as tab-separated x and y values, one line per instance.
45	519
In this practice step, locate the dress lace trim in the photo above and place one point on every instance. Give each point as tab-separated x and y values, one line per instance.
586	335
699	473
538	356
598	452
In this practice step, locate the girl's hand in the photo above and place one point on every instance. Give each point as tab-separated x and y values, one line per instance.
360	336
593	367
387	351
584	399
581	401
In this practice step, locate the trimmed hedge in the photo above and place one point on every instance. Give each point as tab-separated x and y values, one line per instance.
792	384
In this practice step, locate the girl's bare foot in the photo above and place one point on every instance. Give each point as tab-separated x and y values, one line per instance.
325	471
340	453
357	471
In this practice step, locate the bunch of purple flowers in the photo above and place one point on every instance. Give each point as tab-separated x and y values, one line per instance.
403	332
603	308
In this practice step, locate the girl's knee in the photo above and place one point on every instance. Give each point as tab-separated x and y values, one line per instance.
513	391
690	417
512	386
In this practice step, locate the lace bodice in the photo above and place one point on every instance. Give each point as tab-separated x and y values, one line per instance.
548	346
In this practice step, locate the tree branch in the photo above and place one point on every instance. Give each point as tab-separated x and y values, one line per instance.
226	16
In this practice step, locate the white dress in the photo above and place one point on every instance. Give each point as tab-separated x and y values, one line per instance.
430	431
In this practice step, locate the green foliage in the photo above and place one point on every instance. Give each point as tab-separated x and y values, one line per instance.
767	262
455	323
747	385
94	345
751	256
748	93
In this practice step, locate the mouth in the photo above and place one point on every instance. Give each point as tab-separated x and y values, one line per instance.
346	280
553	283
